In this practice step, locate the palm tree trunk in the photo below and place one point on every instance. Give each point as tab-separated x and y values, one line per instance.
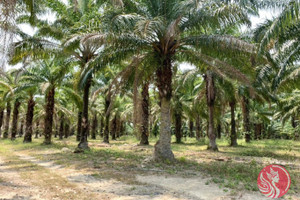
85	116
114	128
107	116
72	131
137	107
49	115
94	127
88	130
79	123
258	128
256	131
191	127
198	128
118	127
67	130
29	118
293	121
162	149
260	131
163	146
246	118
178	125
21	128
56	133
101	126
61	127
37	128
233	136
1	120
14	129
7	120
145	115
210	97
219	130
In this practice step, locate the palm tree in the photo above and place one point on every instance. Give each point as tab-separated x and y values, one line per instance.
7	120
187	104
28	91
210	99
10	83
145	114
9	13
85	52
15	119
1	118
72	94
29	119
278	41
177	105
163	33
230	97
48	75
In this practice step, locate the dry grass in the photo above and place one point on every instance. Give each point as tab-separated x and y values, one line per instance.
235	168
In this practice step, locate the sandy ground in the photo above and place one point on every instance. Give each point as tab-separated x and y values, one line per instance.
25	177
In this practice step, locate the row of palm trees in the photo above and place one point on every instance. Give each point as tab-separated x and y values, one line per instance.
107	53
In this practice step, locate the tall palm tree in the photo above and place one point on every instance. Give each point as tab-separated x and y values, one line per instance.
48	75
165	31
83	54
29	119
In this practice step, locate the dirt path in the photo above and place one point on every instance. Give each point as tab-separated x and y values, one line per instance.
25	177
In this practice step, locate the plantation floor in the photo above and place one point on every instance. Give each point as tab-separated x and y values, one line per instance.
123	170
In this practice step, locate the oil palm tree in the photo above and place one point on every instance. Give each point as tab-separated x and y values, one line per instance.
83	54
7	92
10	84
165	31
75	97
48	75
279	41
29	90
1	117
230	96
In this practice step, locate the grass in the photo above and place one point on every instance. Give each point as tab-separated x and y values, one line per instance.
235	168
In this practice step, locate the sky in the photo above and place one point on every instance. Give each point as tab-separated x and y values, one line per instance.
264	14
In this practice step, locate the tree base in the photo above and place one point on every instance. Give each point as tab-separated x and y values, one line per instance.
213	148
163	154
233	144
80	150
82	146
144	143
46	143
106	141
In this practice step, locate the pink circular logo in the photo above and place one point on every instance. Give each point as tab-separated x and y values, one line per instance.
274	181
